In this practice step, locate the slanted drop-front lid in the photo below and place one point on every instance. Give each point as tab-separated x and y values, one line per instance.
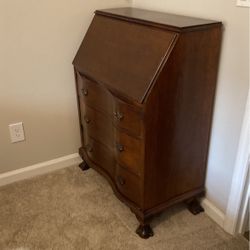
124	56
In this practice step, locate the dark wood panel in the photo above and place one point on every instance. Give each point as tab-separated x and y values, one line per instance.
139	52
178	118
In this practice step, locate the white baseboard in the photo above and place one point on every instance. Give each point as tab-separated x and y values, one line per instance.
39	169
213	212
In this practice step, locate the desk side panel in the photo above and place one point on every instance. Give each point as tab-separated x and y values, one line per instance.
178	120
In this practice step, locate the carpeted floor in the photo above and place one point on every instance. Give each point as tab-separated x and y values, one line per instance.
71	209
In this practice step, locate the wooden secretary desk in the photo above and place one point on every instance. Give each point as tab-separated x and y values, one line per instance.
146	85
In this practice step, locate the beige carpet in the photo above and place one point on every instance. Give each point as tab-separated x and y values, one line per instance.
71	209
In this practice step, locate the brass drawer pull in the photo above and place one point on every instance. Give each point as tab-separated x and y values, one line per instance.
89	148
87	120
121	180
120	147
119	116
85	92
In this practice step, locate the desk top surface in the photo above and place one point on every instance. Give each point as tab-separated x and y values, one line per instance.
154	17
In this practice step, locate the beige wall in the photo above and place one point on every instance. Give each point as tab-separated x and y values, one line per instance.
232	85
38	40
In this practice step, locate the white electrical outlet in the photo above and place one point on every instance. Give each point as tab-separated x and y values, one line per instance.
243	3
16	132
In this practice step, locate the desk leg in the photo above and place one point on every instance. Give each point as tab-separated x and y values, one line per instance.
84	166
194	206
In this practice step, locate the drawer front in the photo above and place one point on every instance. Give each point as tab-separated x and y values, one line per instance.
95	95
100	155
129	185
97	125
129	152
129	118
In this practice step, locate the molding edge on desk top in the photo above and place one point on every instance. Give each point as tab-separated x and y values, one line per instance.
159	19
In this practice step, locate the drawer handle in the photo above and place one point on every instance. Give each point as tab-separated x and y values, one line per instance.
120	147
89	148
87	120
85	92
119	116
121	180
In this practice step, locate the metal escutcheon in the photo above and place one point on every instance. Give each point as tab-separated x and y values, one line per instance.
120	147
85	92
121	180
119	116
87	120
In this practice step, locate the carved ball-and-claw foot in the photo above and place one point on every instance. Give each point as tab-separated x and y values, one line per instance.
194	207
84	166
145	231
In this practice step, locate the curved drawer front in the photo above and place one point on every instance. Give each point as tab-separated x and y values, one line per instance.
129	185
95	95
100	155
129	118
97	125
129	152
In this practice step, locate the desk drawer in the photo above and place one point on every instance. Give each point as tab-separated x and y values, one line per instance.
94	95
97	125
100	155
129	152
129	185
129	117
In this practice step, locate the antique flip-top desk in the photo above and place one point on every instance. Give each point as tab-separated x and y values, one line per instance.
146	85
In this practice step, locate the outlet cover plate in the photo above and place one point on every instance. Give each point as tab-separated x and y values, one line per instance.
16	132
